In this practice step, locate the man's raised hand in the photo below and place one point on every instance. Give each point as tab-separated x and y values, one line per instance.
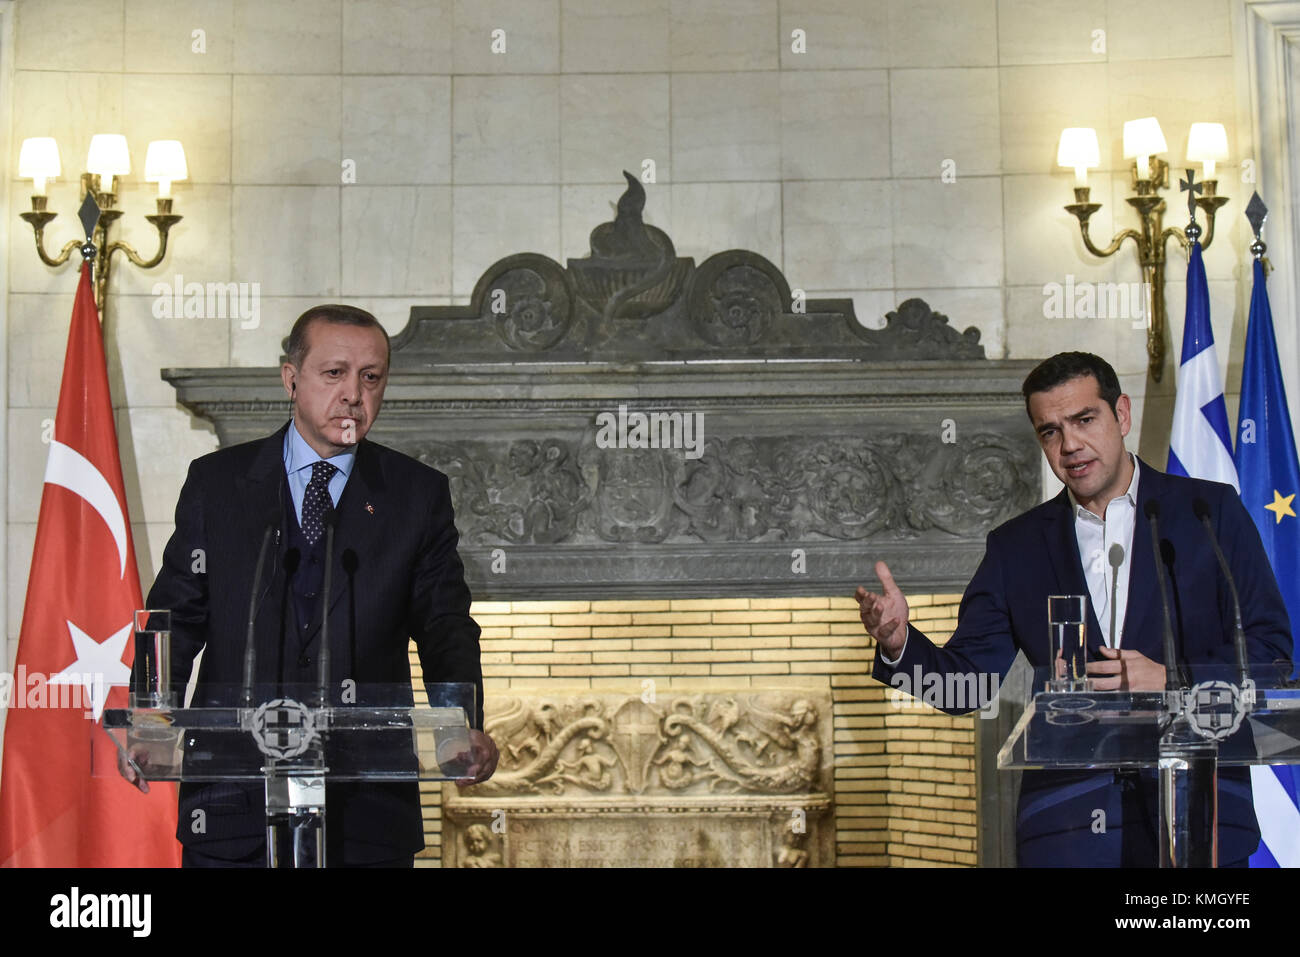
884	616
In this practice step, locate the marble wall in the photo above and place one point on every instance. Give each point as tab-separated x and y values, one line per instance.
382	152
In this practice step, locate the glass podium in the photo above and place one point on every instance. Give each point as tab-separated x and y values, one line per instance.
1185	735
295	744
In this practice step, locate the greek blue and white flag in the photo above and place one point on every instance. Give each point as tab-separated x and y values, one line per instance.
1201	442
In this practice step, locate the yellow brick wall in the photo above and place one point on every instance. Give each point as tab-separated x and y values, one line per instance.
904	778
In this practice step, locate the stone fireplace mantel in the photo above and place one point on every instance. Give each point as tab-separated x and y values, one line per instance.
804	445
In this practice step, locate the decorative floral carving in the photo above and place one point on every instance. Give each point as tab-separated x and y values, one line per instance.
531	306
741	305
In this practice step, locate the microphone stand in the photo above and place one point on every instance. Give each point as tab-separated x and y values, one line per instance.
1188	762
250	647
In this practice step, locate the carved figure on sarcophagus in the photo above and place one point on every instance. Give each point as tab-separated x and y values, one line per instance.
482	847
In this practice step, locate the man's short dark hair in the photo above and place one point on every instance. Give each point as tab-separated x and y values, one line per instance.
295	346
1064	366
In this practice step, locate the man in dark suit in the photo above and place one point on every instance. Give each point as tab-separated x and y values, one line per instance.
396	576
1062	547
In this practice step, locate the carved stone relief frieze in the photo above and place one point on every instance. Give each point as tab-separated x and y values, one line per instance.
723	778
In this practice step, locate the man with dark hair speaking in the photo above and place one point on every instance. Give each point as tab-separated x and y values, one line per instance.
396	576
1062	547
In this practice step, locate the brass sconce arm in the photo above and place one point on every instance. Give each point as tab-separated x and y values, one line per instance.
1209	205
39	218
1082	211
163	222
1173	232
1115	243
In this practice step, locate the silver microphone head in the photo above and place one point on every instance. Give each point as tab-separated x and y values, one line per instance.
1116	556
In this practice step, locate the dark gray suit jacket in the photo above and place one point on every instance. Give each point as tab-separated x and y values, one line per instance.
396	577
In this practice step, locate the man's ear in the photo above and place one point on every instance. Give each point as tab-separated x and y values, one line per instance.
1124	414
289	377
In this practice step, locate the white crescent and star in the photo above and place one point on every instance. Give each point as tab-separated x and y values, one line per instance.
98	666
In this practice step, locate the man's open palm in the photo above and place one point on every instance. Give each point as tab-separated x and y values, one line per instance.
884	615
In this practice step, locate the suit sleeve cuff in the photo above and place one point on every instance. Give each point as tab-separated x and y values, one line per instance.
893	662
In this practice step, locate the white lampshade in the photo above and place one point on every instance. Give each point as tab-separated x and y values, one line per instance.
1207	143
108	155
1143	138
164	163
38	160
1078	150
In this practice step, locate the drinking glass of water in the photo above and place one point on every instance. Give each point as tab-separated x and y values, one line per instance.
151	681
1067	623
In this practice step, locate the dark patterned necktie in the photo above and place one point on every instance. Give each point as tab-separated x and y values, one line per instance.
316	503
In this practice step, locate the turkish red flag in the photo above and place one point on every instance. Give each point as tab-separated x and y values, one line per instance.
75	649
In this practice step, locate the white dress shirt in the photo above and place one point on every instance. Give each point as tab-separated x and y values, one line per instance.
1094	536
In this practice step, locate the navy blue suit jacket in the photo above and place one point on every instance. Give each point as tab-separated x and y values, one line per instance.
397	576
1004	610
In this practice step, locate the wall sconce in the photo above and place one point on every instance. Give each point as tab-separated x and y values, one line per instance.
107	159
1144	142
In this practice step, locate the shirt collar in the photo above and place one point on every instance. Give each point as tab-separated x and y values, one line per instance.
1131	494
299	455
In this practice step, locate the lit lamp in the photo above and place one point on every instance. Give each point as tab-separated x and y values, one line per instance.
108	158
39	161
1207	144
1078	149
1144	142
164	164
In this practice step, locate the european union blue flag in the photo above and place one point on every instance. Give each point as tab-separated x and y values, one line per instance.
1269	473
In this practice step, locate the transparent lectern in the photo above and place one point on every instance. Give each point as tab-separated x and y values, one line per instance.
1220	720
294	743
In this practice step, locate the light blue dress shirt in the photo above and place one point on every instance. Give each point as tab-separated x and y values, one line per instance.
299	457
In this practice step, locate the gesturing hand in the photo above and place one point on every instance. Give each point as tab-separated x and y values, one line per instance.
884	616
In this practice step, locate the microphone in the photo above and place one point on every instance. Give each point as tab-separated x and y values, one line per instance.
254	600
1202	511
1116	559
1173	671
329	520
